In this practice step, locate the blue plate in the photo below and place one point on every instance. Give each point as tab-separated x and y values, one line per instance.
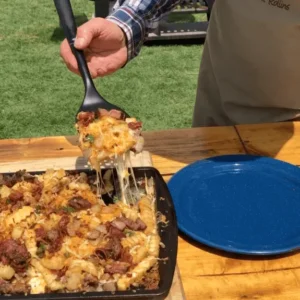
239	203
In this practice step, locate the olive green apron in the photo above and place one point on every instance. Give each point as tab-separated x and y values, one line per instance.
250	70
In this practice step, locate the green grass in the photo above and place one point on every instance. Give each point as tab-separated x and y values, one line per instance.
40	97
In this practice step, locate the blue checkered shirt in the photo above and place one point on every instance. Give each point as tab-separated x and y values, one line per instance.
139	17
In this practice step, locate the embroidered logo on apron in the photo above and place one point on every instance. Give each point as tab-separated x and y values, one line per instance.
277	3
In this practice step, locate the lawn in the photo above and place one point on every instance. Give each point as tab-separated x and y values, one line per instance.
40	97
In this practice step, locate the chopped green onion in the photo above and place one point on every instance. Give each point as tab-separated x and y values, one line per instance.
41	250
67	254
38	209
116	199
68	209
89	138
129	232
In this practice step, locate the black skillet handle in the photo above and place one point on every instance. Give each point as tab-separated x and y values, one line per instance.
66	16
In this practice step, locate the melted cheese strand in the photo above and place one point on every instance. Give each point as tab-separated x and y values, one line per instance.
120	167
128	163
98	181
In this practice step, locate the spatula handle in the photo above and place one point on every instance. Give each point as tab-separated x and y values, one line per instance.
67	20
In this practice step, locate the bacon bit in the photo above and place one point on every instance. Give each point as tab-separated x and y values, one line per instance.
79	203
85	118
16	196
15	254
135	125
126	256
60	273
17	206
116	114
112	250
119	224
133	225
79	234
117	267
62	224
102	112
115	232
40	233
54	237
55	245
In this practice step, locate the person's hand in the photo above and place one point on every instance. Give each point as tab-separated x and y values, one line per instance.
104	45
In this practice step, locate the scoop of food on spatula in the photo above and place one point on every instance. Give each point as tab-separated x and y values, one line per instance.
106	132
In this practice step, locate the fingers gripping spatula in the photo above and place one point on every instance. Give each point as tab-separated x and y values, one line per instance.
92	99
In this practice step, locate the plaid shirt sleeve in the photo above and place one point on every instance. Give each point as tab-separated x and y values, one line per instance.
137	18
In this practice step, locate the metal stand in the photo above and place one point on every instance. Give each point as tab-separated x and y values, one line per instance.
188	30
171	31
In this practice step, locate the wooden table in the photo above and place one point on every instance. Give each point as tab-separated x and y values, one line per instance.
206	274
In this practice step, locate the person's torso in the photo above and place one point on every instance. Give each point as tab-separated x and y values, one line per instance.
254	54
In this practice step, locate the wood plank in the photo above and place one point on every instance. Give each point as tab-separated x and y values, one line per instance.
283	285
73	162
38	148
280	140
212	274
206	274
166	148
212	262
172	150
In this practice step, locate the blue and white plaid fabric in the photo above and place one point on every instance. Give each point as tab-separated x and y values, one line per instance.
139	17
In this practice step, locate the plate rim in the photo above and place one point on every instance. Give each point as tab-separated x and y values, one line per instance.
235	250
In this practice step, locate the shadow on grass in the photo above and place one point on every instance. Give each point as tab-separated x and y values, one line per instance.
58	34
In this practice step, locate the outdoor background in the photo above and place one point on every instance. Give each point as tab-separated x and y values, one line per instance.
40	97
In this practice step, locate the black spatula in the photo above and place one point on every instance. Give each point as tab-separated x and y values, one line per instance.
92	100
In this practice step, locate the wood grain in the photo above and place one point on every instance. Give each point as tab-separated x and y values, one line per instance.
280	140
73	162
220	274
37	148
171	149
206	273
283	285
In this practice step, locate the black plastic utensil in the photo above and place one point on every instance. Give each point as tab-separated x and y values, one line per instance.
92	100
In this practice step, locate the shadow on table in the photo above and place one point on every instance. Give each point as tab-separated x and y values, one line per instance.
58	34
234	255
267	139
